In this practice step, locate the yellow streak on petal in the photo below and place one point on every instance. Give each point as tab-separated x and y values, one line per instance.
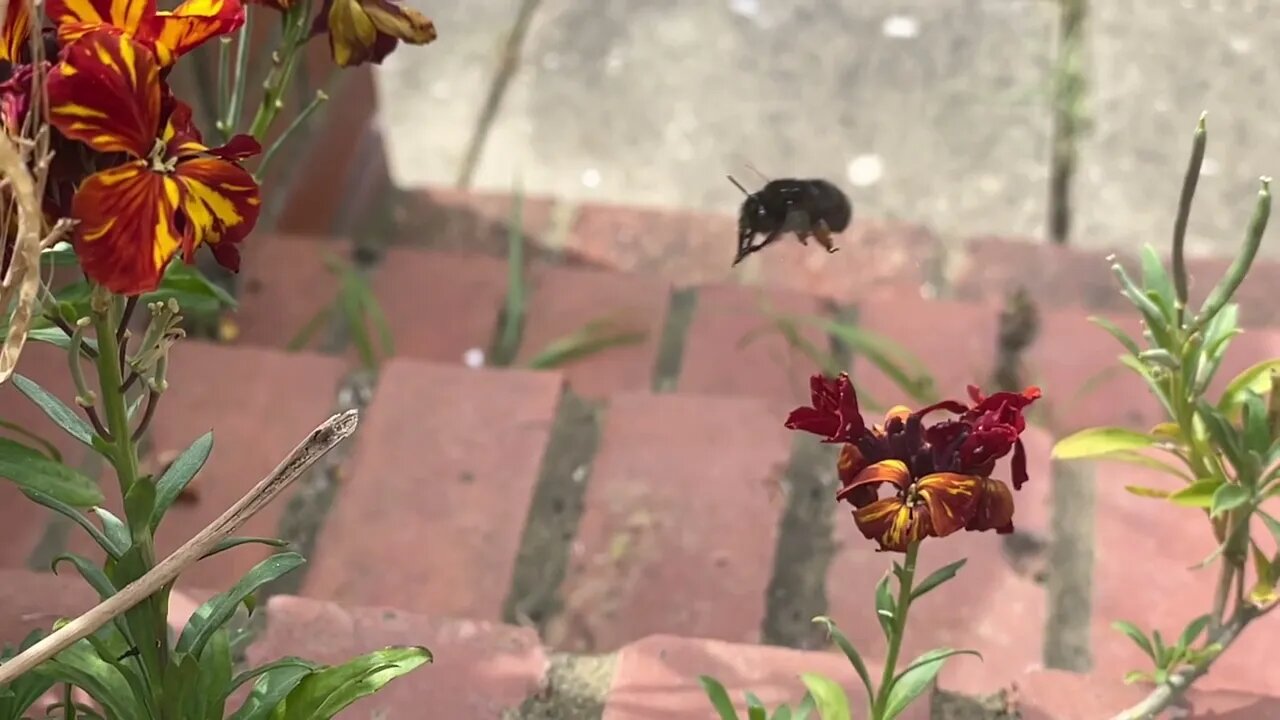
130	56
84	11
75	110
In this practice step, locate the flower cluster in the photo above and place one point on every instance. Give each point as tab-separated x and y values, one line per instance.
939	474
129	165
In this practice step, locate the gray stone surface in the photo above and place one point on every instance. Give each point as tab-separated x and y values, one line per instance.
1156	65
932	110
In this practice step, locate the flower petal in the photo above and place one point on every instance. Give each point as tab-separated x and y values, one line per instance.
191	24
220	205
401	23
106	94
893	472
1019	465
994	510
75	18
952	499
17	29
892	523
126	236
833	413
351	33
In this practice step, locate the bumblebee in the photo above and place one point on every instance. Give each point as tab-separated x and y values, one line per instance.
806	208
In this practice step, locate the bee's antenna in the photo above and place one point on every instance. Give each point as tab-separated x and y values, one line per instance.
753	169
739	185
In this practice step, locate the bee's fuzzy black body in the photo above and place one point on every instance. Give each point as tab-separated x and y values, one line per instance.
806	208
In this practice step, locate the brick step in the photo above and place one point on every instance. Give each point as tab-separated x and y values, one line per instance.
706	339
483	671
694	248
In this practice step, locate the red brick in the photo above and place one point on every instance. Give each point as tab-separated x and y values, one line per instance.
442	478
876	259
24	521
259	404
479	669
413	287
1056	277
955	342
680	523
683	247
658	677
445	218
717	363
563	301
1142	573
286	282
1059	695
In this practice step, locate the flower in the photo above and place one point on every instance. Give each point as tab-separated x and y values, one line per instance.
168	34
939	476
168	191
363	31
15	32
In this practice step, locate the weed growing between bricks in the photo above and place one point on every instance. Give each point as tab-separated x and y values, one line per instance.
130	185
936	465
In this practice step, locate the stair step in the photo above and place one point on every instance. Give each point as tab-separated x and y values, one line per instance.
440	483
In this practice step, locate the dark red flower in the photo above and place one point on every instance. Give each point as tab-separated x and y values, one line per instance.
939	475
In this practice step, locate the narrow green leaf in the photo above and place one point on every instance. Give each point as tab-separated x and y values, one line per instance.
1161	650
112	549
884	606
49	449
895	361
324	693
179	474
33	471
1095	442
116	532
1273	525
140	502
1198	494
849	651
829	697
755	708
1156	321
231	542
1257	431
936	578
284	662
1137	636
81	666
1156	282
1133	457
1137	676
594	337
1115	332
1193	630
61	415
92	574
916	678
273	686
178	685
215	677
1256	378
1227	497
219	609
195	293
782	713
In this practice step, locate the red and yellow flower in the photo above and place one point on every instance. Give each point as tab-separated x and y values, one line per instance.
363	31
168	34
938	476
168	191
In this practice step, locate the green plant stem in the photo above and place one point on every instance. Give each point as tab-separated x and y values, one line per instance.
302	117
240	83
899	626
281	70
124	454
1184	213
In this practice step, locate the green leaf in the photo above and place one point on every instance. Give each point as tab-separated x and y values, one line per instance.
1193	630
1137	676
215	676
1256	378
112	549
782	713
1132	457
181	676
916	678
1137	636
179	474
56	337
1161	650
849	651
1156	323
140	501
594	337
33	471
81	666
1257	431
755	708
1115	332
718	696
90	572
895	361
936	578
1223	433
1272	524
274	684
325	693
1147	492
1156	282
829	697
114	529
284	662
22	692
62	416
1227	497
195	294
49	449
884	606
219	609
1095	442
1198	494
231	542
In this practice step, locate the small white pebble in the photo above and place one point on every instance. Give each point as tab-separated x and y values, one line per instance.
591	178
865	170
473	358
900	27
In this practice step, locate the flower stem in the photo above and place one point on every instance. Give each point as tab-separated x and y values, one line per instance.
124	455
897	630
1184	213
284	59
240	82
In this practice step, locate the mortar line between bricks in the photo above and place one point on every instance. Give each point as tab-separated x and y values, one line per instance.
1070	562
797	589
681	306
508	65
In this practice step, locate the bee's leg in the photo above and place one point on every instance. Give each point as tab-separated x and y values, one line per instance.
822	233
747	248
803	237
